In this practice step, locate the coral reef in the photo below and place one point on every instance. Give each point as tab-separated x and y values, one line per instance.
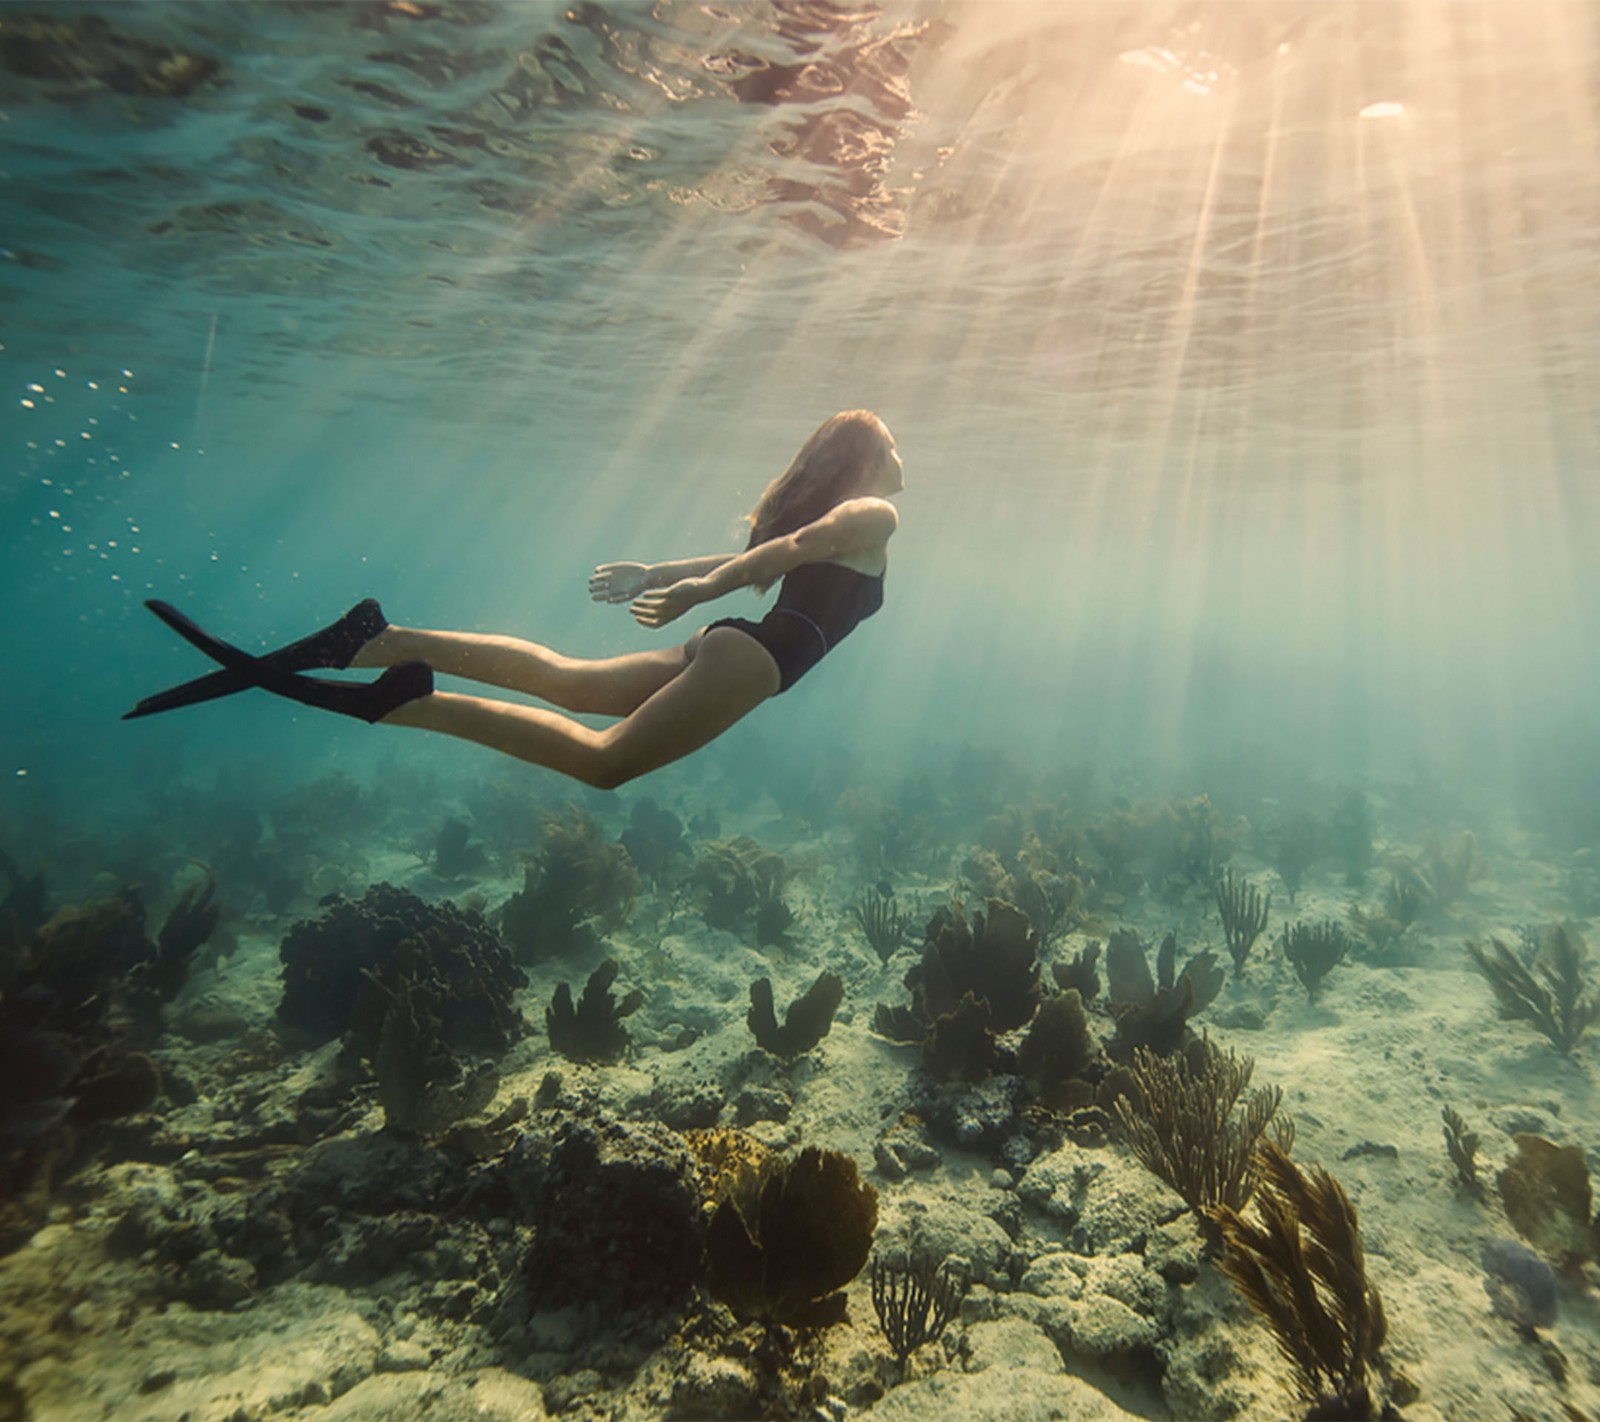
736	881
455	856
973	981
1057	1050
1314	950
1078	974
1044	885
994	958
1462	1146
656	843
1350	833
1403	899
1295	848
960	1044
1547	1197
337	970
805	1023
79	1013
1172	847
617	1215
1448	867
784	1240
1244	916
1154	1012
24	908
1183	1121
579	887
1562	1006
592	1031
422	1085
1300	1265
882	923
188	926
915	1296
884	838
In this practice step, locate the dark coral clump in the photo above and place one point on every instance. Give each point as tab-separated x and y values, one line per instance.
579	887
994	958
617	1213
340	971
973	982
961	1045
454	854
424	1087
656	842
739	886
915	1296
1057	1051
1314	950
591	1031
784	1239
188	927
1154	1012
1547	1196
804	1024
79	1007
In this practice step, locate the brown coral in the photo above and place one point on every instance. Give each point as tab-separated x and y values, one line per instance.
782	1242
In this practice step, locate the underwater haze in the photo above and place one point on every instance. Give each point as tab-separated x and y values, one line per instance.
1244	359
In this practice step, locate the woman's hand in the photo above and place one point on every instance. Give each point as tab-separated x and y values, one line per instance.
618	582
656	609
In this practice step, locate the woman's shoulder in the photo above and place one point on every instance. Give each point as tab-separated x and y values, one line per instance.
868	509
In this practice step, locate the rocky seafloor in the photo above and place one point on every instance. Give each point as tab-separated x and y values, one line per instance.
280	1231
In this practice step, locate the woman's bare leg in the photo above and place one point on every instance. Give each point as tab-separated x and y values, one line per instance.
610	686
729	676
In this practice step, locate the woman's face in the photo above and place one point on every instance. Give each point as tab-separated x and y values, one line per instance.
888	476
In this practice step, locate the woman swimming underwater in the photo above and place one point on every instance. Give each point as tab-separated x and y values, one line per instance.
821	528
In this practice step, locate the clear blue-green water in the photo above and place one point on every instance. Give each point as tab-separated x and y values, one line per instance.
1236	410
1244	359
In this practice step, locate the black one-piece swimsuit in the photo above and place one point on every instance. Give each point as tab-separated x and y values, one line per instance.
819	604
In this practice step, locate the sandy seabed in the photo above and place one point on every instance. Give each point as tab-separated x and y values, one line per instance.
1091	1294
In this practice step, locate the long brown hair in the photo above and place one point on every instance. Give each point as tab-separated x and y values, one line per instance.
825	472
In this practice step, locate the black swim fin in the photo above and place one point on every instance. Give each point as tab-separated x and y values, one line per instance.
332	646
366	701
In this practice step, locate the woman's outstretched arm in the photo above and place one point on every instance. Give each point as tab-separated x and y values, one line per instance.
622	582
854	526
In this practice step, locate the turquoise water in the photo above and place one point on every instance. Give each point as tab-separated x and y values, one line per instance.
1230	415
1243	358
